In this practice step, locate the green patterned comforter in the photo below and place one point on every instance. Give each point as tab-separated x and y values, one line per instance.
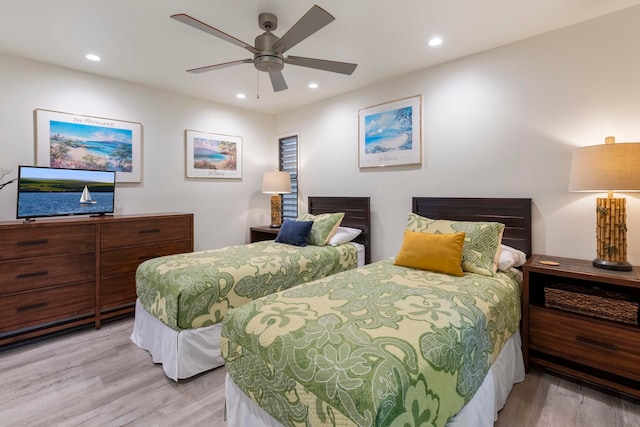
197	289
381	345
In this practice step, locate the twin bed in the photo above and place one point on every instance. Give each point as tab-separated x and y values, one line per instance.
385	344
183	298
381	344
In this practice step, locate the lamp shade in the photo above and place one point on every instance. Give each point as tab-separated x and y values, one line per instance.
276	182
606	167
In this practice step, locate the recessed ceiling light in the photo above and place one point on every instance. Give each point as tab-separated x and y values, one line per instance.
92	57
241	96
313	85
436	41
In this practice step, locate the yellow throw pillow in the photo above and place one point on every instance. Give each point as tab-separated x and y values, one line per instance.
480	253
441	253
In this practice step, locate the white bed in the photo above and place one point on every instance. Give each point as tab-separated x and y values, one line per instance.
186	352
289	364
481	411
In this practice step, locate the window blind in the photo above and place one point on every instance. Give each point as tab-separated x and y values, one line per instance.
289	163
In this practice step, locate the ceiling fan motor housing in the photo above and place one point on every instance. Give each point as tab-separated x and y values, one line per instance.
267	59
268	21
268	63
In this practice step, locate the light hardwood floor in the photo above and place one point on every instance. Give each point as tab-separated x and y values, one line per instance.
100	378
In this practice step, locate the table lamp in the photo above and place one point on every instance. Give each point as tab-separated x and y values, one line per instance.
608	167
276	183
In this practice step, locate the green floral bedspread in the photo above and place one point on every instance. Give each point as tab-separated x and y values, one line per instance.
197	289
381	345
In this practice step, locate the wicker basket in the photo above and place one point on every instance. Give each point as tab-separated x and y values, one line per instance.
592	302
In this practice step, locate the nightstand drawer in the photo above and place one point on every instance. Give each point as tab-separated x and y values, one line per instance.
609	348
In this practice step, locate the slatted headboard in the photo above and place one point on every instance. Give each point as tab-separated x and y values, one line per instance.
357	214
515	214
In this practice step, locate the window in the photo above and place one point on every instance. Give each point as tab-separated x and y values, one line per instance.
288	151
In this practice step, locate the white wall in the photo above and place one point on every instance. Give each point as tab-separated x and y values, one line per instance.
223	208
502	123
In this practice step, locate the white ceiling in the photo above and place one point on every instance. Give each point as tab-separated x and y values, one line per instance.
139	43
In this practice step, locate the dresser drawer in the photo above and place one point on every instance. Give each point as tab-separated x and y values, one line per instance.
48	305
22	242
126	260
140	232
609	348
117	291
35	273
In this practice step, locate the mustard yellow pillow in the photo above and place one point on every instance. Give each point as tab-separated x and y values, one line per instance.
480	253
441	253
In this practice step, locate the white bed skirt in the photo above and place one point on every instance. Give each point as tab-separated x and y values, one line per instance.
481	411
183	353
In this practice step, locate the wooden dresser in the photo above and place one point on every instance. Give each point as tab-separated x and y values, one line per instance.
57	274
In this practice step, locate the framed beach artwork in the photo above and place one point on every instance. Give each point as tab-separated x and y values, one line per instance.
65	140
213	155
390	134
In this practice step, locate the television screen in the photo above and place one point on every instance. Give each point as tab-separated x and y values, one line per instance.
46	191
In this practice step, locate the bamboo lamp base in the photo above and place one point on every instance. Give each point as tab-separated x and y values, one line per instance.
611	234
276	211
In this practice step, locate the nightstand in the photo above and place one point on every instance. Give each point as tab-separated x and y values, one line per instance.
262	232
582	321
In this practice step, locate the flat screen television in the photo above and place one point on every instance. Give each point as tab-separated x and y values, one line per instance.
47	192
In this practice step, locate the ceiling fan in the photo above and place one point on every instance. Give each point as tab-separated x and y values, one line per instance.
269	49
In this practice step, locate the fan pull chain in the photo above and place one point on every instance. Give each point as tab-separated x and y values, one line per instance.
257	84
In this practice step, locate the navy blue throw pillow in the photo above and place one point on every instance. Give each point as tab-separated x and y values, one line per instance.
294	232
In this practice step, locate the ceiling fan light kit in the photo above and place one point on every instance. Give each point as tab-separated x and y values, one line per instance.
268	48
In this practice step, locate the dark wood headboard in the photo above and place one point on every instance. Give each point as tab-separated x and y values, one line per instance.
515	214
357	214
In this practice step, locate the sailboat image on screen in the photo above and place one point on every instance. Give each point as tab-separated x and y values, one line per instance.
86	199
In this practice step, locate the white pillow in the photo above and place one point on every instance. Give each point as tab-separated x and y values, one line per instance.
344	235
510	257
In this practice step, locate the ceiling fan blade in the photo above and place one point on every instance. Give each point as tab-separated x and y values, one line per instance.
311	22
277	81
218	66
193	22
322	64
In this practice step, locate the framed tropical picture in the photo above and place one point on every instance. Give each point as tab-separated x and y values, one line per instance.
390	134
74	141
213	155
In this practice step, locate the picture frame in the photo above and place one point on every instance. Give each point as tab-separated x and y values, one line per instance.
213	155
390	134
75	141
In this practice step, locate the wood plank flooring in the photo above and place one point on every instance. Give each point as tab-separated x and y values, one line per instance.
100	378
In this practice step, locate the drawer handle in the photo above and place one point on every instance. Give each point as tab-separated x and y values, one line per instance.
32	306
33	242
149	231
597	343
34	274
